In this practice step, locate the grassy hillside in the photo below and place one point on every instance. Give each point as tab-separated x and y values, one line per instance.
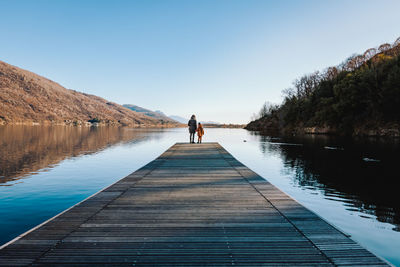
361	96
27	98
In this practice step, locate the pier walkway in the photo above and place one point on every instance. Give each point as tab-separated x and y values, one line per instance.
193	205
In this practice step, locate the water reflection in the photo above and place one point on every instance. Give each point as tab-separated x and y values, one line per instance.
339	169
26	149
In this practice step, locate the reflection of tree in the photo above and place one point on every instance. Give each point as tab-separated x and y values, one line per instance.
25	149
342	175
267	146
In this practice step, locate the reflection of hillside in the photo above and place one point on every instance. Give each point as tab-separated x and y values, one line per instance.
26	149
342	175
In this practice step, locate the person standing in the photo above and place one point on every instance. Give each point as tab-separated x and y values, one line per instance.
200	132
192	127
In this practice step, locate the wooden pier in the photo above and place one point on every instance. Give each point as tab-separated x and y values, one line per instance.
194	205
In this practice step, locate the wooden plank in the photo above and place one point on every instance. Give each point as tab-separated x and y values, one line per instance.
193	205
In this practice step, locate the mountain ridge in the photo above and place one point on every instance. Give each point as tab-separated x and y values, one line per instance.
154	114
179	118
28	98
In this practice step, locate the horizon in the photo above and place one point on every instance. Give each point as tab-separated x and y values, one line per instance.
219	60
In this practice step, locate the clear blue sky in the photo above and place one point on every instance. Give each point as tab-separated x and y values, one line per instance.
217	59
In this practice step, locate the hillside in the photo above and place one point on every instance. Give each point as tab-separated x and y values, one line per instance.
361	96
154	114
27	98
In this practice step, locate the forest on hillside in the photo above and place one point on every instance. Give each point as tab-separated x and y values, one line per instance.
361	96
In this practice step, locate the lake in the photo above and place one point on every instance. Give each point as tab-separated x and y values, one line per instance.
351	183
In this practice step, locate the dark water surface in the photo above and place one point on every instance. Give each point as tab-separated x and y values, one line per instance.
350	183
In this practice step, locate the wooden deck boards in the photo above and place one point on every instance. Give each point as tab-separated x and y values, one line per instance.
194	205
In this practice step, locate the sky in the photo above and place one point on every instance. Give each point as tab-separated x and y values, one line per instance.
218	59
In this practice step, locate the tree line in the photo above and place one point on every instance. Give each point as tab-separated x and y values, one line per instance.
364	90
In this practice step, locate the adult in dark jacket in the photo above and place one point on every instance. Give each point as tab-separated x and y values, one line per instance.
192	127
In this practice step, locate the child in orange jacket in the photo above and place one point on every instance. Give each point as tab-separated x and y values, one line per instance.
200	132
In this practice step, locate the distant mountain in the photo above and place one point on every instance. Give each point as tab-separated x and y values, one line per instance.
185	120
26	97
160	112
179	118
159	115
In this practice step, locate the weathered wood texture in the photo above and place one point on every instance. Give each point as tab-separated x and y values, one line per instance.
194	205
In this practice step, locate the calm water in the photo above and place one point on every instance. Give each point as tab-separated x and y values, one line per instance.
350	183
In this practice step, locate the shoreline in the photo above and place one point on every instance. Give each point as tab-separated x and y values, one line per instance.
92	124
274	126
376	133
116	124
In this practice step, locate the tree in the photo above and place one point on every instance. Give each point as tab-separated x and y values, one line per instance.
306	84
330	73
397	42
356	62
263	111
267	109
369	53
288	93
384	47
353	62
